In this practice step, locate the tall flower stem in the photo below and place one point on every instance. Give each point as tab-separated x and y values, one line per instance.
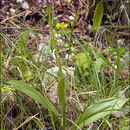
53	40
61	86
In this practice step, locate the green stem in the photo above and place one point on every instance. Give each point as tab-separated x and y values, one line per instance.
53	40
59	64
1	110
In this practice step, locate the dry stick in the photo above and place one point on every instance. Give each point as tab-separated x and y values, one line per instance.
10	122
26	121
14	24
17	15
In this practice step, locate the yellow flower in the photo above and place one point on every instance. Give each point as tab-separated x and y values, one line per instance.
62	25
58	25
66	25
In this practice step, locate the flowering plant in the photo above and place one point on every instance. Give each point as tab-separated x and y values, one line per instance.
61	25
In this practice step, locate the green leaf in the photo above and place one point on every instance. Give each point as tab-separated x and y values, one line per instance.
27	74
82	60
34	94
99	110
7	88
97	19
98	63
106	61
61	88
124	124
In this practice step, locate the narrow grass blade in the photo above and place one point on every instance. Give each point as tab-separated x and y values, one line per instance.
70	41
97	19
5	37
51	115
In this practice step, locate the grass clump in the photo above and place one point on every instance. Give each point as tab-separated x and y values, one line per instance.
68	86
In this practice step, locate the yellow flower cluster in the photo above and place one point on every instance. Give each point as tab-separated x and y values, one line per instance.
61	25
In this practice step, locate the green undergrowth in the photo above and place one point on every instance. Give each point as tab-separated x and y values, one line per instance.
97	88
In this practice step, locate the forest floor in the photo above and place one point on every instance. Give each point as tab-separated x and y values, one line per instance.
96	65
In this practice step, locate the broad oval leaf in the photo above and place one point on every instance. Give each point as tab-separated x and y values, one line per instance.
97	19
34	94
99	110
61	88
83	60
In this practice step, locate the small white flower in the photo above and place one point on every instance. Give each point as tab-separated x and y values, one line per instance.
71	17
25	5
